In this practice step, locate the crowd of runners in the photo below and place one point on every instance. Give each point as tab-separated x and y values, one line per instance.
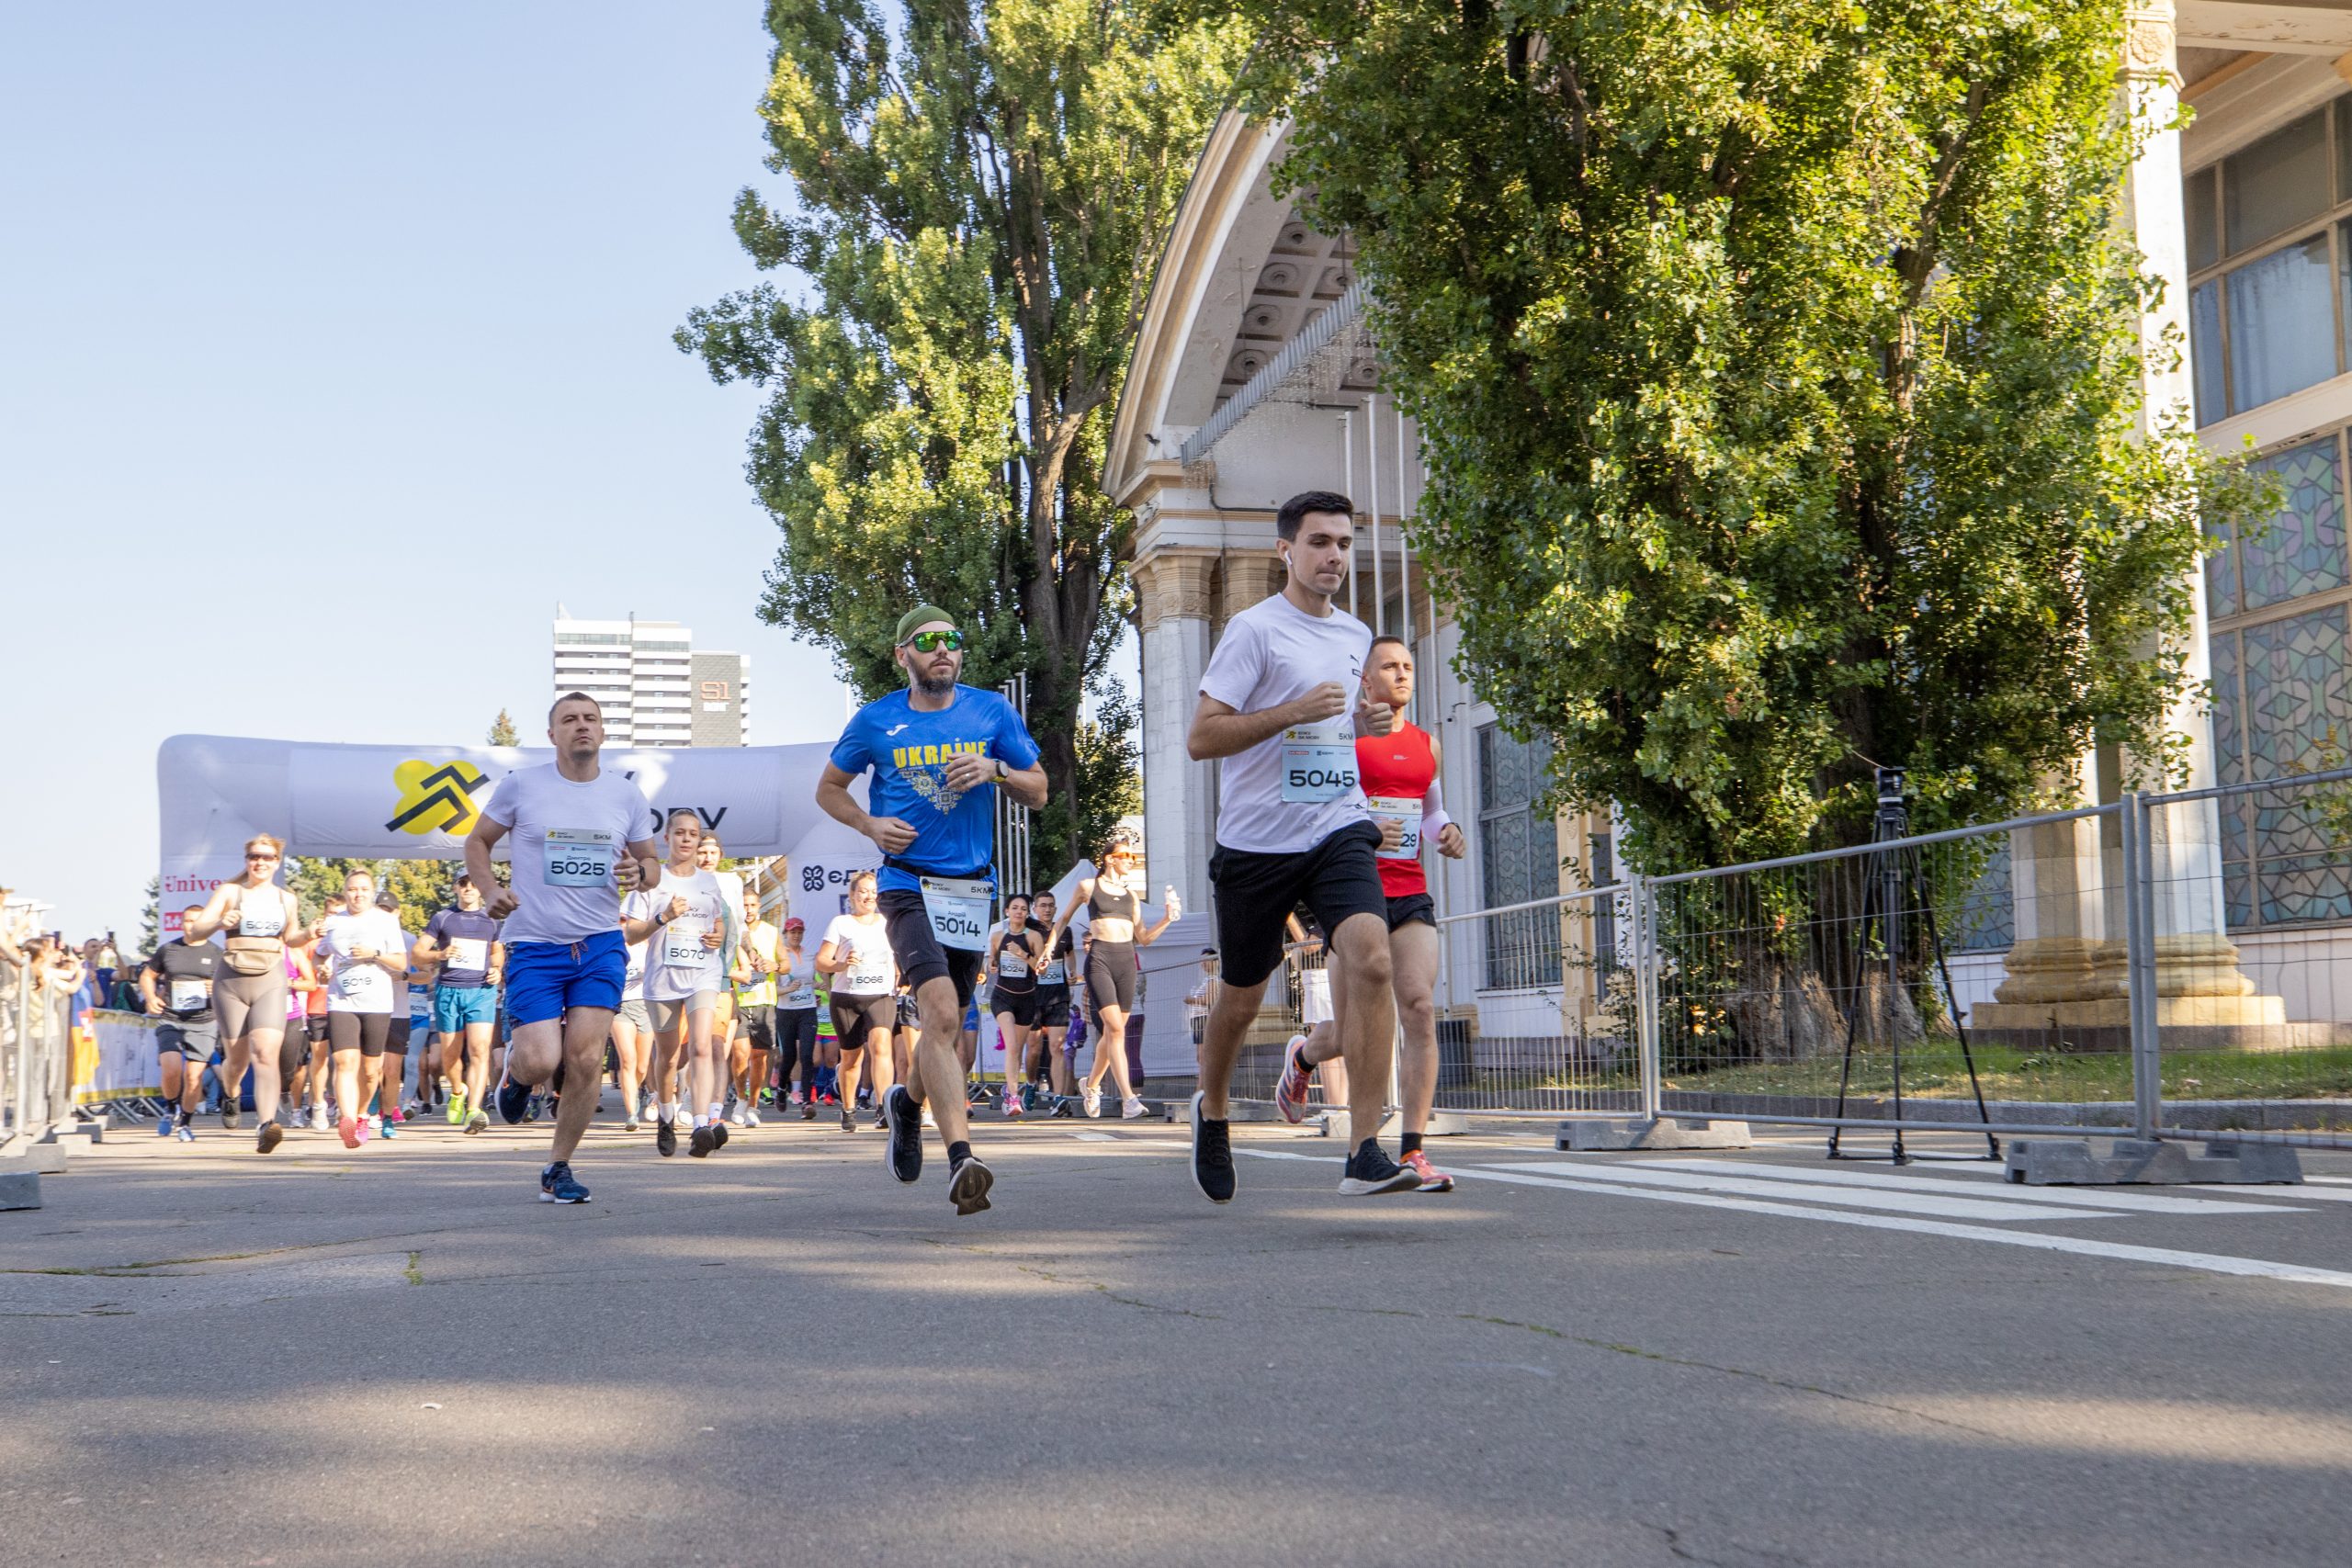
618	951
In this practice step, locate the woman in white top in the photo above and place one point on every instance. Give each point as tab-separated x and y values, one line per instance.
856	953
368	953
689	927
258	917
633	1037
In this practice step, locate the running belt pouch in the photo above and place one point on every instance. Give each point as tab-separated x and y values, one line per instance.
252	955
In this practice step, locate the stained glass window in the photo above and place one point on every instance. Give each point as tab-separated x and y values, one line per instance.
2301	550
2297	715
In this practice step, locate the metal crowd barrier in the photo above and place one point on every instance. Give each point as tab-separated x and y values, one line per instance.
2166	966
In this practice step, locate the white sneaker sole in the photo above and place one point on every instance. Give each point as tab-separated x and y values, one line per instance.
1404	1180
969	1190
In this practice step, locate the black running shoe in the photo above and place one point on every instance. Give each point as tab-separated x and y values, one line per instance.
514	1100
269	1137
967	1189
809	1110
902	1118
665	1138
702	1143
1370	1170
849	1120
229	1112
1211	1155
719	1134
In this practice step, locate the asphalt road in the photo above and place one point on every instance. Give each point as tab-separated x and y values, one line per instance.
779	1355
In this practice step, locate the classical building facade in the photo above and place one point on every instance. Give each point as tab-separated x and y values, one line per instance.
1254	377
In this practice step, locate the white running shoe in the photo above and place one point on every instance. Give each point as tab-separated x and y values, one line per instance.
1094	1102
751	1119
1131	1109
735	1117
928	1120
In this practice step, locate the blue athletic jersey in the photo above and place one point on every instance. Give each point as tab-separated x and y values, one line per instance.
908	751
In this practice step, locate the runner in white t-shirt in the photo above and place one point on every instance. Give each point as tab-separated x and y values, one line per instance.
579	841
687	927
856	953
1292	828
366	954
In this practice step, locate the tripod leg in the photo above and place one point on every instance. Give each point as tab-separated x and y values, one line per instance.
1846	1013
1952	1001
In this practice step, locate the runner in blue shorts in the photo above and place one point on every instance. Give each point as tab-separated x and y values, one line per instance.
582	837
938	751
465	941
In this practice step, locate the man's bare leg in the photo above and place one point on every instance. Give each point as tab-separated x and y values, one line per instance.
938	1059
1364	1001
1230	1016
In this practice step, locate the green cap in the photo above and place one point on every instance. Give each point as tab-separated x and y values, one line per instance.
920	615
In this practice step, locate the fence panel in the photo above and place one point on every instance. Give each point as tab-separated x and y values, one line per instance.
2249	893
1916	982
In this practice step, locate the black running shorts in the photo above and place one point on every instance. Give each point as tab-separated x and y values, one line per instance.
916	946
1053	1007
1338	879
857	1019
1110	976
362	1032
759	1023
1021	1006
1410	906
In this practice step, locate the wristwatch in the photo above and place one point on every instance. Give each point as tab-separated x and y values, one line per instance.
1001	771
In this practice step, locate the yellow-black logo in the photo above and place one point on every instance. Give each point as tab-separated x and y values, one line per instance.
435	797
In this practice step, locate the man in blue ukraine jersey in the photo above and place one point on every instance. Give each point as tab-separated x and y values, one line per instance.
937	751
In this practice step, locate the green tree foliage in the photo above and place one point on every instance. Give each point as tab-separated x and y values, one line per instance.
502	730
1110	776
422	886
1778	371
978	197
151	916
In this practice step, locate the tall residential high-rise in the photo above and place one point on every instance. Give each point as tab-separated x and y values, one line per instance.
656	687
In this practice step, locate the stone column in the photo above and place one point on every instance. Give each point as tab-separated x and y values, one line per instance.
2067	967
1173	601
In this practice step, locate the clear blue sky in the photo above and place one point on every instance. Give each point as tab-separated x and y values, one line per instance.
336	351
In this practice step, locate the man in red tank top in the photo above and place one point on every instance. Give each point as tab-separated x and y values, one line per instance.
1400	774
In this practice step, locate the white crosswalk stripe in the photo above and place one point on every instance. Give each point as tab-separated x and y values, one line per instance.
1750	1181
2108	1197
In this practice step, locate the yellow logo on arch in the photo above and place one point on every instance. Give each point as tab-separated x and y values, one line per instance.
435	797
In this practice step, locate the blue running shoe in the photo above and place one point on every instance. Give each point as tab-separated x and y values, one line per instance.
163	1124
558	1185
514	1100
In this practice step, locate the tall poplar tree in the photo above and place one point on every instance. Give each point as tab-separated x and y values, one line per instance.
976	196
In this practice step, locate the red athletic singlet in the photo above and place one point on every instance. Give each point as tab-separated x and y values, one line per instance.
1399	766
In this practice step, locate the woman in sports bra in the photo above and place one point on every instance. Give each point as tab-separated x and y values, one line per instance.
249	991
1015	954
856	953
1114	900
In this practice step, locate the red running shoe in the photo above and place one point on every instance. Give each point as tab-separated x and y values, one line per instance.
1290	1090
1433	1179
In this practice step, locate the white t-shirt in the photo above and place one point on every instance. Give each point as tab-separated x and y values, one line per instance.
1271	653
677	964
873	969
355	987
565	837
633	983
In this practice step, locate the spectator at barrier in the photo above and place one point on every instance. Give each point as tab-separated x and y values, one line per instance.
1202	997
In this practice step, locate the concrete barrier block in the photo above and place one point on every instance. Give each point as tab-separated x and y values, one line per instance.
1620	1134
20	1189
2070	1162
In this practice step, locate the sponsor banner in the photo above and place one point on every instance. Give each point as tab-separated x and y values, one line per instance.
420	802
114	1056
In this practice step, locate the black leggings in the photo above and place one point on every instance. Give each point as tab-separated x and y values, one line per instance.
365	1033
795	1036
